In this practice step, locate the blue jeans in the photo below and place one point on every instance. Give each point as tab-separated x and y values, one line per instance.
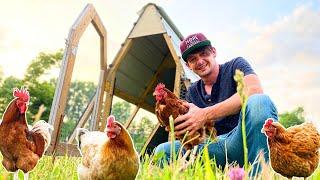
259	108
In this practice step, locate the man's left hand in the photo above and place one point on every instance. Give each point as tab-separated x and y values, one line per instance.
192	121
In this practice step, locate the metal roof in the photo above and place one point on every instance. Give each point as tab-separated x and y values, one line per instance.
148	59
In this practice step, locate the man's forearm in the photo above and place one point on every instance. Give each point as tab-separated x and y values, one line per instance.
232	105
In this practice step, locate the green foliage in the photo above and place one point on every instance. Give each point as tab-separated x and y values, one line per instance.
40	92
140	131
6	92
121	110
79	96
292	118
63	168
42	63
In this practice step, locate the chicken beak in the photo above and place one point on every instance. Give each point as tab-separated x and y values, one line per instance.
154	94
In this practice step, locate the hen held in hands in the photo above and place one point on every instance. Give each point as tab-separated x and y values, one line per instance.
168	104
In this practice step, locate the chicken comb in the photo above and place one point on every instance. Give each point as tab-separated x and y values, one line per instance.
22	94
160	86
110	120
268	122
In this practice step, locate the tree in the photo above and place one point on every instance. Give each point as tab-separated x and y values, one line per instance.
1	74
6	92
79	95
42	63
140	131
41	92
295	117
121	111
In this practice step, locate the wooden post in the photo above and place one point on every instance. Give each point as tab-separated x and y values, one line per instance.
178	76
109	89
87	16
84	118
99	99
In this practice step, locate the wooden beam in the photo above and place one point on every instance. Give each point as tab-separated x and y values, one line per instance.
98	102
98	25
109	90
101	30
87	16
103	53
176	59
61	92
123	51
129	120
82	22
84	118
133	100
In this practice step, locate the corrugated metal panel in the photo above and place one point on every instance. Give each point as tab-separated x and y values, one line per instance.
147	53
139	65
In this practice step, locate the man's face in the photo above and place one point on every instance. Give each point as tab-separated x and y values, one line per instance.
202	61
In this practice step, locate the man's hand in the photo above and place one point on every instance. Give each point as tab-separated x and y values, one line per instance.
192	121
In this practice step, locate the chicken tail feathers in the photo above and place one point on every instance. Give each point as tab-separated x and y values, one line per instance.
41	136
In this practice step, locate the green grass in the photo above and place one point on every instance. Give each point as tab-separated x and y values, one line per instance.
66	168
63	168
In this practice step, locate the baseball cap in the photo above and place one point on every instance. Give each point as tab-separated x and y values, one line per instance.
191	43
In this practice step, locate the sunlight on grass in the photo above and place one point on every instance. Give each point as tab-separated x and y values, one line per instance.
63	168
150	168
66	168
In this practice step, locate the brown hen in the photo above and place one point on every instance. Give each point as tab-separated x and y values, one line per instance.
21	145
168	104
293	151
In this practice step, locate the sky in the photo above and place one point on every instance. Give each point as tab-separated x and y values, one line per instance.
279	38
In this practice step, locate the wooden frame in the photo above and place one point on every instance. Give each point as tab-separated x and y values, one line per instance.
100	105
84	118
87	16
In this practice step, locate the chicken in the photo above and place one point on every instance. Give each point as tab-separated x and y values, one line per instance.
292	151
168	104
21	145
107	155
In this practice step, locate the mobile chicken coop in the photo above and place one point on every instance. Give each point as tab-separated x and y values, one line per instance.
149	55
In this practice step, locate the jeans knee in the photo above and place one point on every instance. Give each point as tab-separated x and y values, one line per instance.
163	148
260	107
259	100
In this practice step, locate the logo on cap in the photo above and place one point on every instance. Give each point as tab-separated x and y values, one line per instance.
192	41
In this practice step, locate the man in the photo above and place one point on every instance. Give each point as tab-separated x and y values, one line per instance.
214	98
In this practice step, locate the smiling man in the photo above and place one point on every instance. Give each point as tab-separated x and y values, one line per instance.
214	99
